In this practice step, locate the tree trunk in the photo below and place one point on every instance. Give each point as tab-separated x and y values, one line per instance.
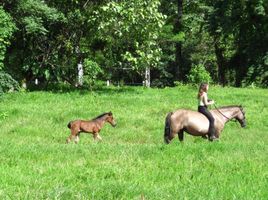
240	64
178	53
221	61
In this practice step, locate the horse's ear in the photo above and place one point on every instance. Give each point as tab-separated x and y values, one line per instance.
110	113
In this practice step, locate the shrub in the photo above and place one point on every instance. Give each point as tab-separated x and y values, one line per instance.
178	83
91	71
7	83
198	74
257	76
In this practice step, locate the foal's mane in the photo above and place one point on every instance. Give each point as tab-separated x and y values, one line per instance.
100	116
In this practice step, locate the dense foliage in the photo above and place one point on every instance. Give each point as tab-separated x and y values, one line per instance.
6	29
229	38
7	83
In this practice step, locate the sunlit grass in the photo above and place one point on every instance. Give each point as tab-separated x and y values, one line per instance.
131	162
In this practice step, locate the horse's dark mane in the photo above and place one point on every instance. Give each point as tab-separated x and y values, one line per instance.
100	116
231	106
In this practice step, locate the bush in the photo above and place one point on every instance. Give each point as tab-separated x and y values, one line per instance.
7	83
198	74
178	83
257	76
91	71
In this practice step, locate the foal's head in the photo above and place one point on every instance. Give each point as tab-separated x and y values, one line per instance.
110	119
240	117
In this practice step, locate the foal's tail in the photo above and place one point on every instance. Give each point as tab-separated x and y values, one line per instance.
167	128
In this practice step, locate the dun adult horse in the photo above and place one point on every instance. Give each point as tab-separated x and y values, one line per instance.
197	124
92	126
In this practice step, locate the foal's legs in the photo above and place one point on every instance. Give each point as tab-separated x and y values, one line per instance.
76	139
73	134
68	140
97	136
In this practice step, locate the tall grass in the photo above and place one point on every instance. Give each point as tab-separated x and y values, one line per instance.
131	162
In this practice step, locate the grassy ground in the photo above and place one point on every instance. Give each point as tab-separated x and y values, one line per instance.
132	162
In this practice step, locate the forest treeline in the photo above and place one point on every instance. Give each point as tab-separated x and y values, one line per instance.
221	41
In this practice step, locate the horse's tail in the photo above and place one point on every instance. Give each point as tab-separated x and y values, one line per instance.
69	125
168	128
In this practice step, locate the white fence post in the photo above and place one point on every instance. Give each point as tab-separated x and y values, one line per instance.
80	73
147	77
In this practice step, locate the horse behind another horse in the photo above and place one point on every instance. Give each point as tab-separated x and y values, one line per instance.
91	126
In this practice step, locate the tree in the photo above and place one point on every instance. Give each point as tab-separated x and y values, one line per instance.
228	38
178	29
7	27
240	32
129	31
33	50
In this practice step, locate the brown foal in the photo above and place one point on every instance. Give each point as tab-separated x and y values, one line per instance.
93	126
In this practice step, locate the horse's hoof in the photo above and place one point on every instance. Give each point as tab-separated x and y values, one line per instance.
204	137
213	139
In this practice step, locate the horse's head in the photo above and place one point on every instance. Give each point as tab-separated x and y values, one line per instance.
168	139
111	119
168	135
240	117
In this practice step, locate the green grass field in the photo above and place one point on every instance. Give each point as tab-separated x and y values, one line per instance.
131	162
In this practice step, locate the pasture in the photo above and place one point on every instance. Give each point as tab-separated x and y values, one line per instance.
132	161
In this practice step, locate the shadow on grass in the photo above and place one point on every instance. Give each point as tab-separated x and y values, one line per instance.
100	89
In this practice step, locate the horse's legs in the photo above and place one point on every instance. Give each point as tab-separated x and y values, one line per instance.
76	139
73	134
217	134
97	136
68	140
181	135
204	137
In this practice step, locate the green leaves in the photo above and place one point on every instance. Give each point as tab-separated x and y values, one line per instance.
199	74
7	27
40	9
260	9
91	71
37	16
180	37
34	25
133	27
7	83
53	36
